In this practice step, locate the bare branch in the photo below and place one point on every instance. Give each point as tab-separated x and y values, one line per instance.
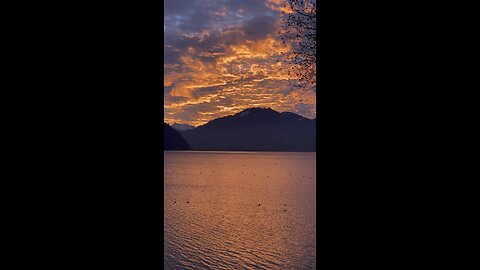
300	34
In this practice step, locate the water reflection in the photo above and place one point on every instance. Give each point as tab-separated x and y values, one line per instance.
239	210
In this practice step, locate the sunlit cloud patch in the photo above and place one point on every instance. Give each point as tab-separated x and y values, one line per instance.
225	56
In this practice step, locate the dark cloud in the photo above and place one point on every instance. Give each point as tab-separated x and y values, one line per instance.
212	26
179	7
170	55
259	27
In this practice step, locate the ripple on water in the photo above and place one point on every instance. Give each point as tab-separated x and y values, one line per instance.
223	227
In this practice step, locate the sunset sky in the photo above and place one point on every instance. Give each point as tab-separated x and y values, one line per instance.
220	57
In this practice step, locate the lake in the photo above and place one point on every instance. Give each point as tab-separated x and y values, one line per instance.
239	210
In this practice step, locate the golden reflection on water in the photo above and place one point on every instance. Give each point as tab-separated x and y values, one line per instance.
245	210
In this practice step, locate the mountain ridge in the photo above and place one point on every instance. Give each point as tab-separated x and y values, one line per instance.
182	127
173	140
255	129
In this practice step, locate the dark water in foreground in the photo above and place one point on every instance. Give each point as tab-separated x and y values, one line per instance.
223	227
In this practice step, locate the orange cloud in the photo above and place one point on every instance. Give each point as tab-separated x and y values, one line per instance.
244	73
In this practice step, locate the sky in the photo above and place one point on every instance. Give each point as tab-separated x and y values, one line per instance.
224	56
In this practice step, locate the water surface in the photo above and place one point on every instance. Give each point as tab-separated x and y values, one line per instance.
239	210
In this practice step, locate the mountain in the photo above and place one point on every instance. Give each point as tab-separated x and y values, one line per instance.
255	129
173	140
182	127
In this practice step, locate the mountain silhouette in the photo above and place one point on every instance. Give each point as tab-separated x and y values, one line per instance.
182	127
173	140
255	129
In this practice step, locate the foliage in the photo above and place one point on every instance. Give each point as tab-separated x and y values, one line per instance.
299	34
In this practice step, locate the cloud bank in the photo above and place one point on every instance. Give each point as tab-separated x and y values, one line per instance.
223	56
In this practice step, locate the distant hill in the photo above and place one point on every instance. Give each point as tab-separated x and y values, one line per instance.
173	140
255	129
182	127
